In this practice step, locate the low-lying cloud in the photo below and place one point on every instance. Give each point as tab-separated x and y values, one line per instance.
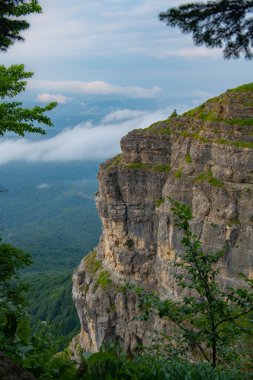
43	186
94	88
123	114
45	98
85	141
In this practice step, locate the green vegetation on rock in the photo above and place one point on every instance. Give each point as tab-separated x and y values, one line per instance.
208	177
159	202
115	160
178	173
104	280
243	88
50	301
92	263
188	159
208	320
151	167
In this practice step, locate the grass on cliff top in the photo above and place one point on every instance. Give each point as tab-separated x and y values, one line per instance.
208	116
243	88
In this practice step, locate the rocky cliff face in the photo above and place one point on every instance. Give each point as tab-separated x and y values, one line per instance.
203	158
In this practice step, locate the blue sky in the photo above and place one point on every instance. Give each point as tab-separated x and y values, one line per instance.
89	52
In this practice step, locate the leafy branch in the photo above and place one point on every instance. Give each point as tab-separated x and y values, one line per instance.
209	319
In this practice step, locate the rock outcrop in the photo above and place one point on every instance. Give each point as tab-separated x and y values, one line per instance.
203	158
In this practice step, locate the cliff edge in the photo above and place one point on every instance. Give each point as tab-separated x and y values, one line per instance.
203	158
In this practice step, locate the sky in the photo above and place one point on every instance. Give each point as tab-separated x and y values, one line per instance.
112	66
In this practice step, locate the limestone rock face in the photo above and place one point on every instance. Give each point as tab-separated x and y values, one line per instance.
203	158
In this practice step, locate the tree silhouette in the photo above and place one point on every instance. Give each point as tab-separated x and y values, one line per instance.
217	24
10	24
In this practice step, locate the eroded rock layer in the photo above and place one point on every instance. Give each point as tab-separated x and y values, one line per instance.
203	158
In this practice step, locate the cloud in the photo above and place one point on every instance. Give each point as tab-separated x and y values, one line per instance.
200	96
45	98
193	52
43	186
83	142
101	28
124	114
93	88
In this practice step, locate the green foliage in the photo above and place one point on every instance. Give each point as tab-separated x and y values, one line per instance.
211	116
243	144
137	165
151	167
42	346
208	320
55	305
60	367
220	23
10	23
33	350
188	159
161	168
178	173
194	111
92	264
13	117
116	160
243	88
174	114
104	280
55	214
12	80
109	364
159	202
208	177
12	299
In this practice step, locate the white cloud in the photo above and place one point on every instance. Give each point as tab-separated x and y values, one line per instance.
82	142
124	114
193	52
93	88
84	29
43	186
45	98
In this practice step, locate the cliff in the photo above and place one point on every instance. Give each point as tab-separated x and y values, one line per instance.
203	158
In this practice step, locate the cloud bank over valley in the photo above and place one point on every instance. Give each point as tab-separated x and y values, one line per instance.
85	141
90	88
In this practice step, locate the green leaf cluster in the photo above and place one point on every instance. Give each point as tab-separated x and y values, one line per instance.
112	364
14	117
13	321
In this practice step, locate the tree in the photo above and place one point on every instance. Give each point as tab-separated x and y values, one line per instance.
10	24
12	298
14	117
208	320
220	23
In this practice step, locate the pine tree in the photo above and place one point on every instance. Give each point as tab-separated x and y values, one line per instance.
217	24
10	24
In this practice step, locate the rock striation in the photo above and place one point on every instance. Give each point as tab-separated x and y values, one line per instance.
203	158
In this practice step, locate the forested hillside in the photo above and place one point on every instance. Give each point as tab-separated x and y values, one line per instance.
56	306
49	211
